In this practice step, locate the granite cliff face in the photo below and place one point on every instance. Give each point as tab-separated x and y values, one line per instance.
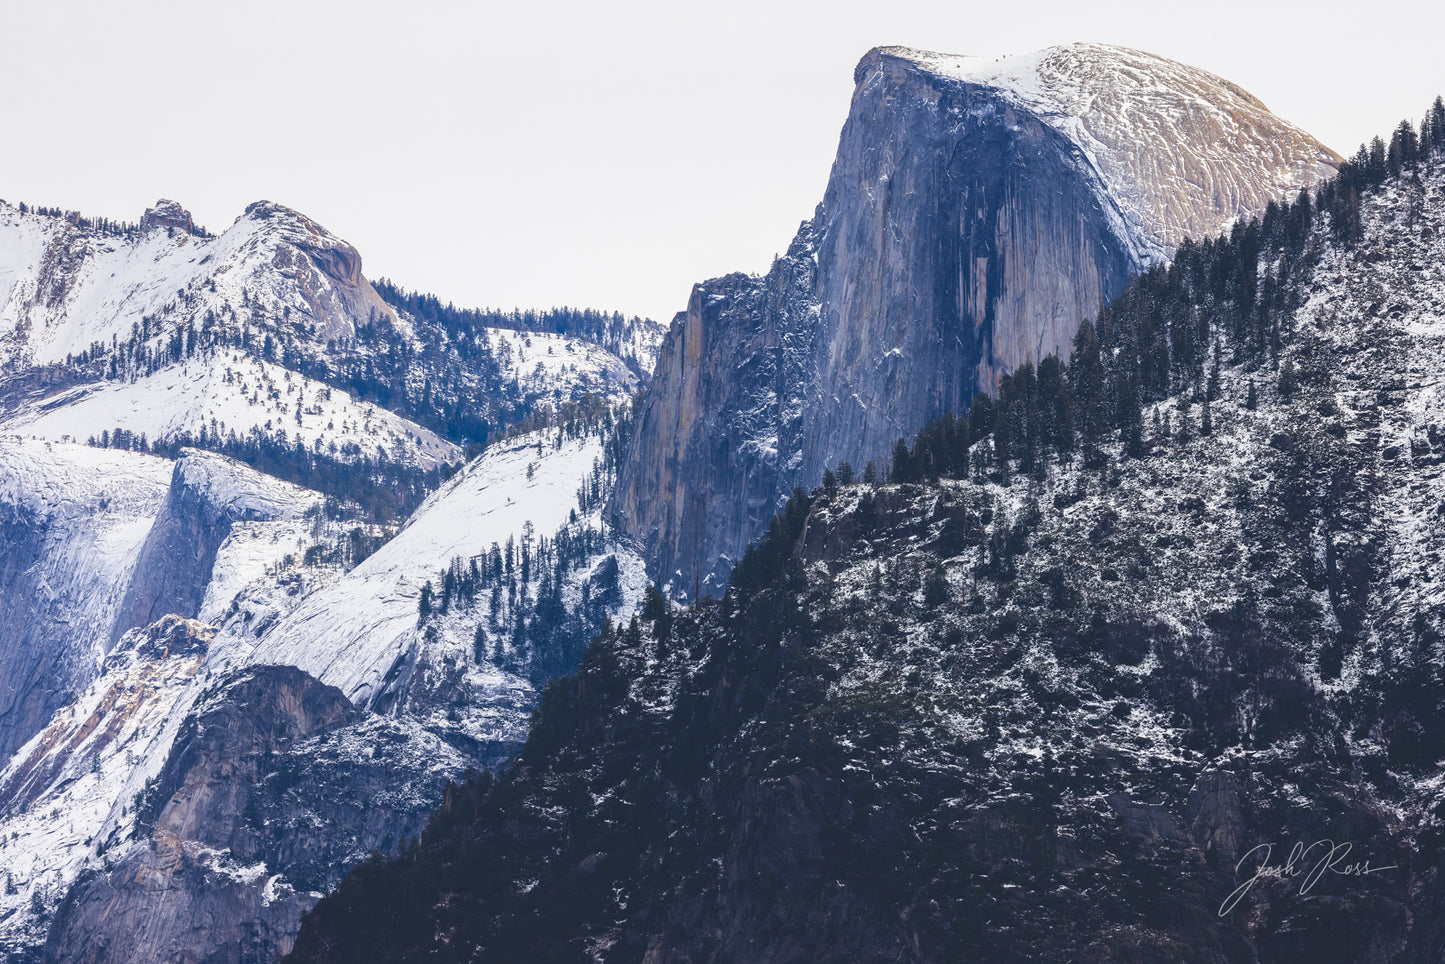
71	525
268	793
976	213
93	543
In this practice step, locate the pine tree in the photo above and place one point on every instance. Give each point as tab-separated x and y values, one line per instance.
1288	380
1055	407
1213	391
1002	443
1086	383
902	463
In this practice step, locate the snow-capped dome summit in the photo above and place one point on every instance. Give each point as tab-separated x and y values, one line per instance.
1181	151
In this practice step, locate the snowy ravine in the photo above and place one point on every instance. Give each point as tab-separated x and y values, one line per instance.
99	541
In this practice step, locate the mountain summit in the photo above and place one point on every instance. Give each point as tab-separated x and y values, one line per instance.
977	211
1180	151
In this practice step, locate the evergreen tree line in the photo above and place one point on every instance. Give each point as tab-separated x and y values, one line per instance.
610	330
345	470
383	489
528	626
106	227
459	392
455	385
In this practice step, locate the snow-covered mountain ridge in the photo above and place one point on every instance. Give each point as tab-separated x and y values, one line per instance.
266	335
266	343
421	700
64	289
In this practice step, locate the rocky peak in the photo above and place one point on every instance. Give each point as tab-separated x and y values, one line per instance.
167	214
339	260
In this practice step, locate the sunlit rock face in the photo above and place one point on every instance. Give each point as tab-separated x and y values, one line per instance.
978	210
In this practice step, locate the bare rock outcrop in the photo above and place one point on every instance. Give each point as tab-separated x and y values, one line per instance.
268	796
167	214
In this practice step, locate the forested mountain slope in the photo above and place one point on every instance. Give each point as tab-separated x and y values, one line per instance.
1043	693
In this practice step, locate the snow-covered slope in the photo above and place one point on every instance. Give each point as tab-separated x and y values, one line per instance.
209	494
226	393
99	796
563	367
1225	154
154	774
95	539
527	484
70	793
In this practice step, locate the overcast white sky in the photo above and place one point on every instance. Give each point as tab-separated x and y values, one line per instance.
592	154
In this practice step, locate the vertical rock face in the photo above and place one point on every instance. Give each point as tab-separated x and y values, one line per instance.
737	371
72	521
208	494
94	543
976	213
964	236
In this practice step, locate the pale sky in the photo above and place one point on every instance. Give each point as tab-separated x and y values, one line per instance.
603	155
